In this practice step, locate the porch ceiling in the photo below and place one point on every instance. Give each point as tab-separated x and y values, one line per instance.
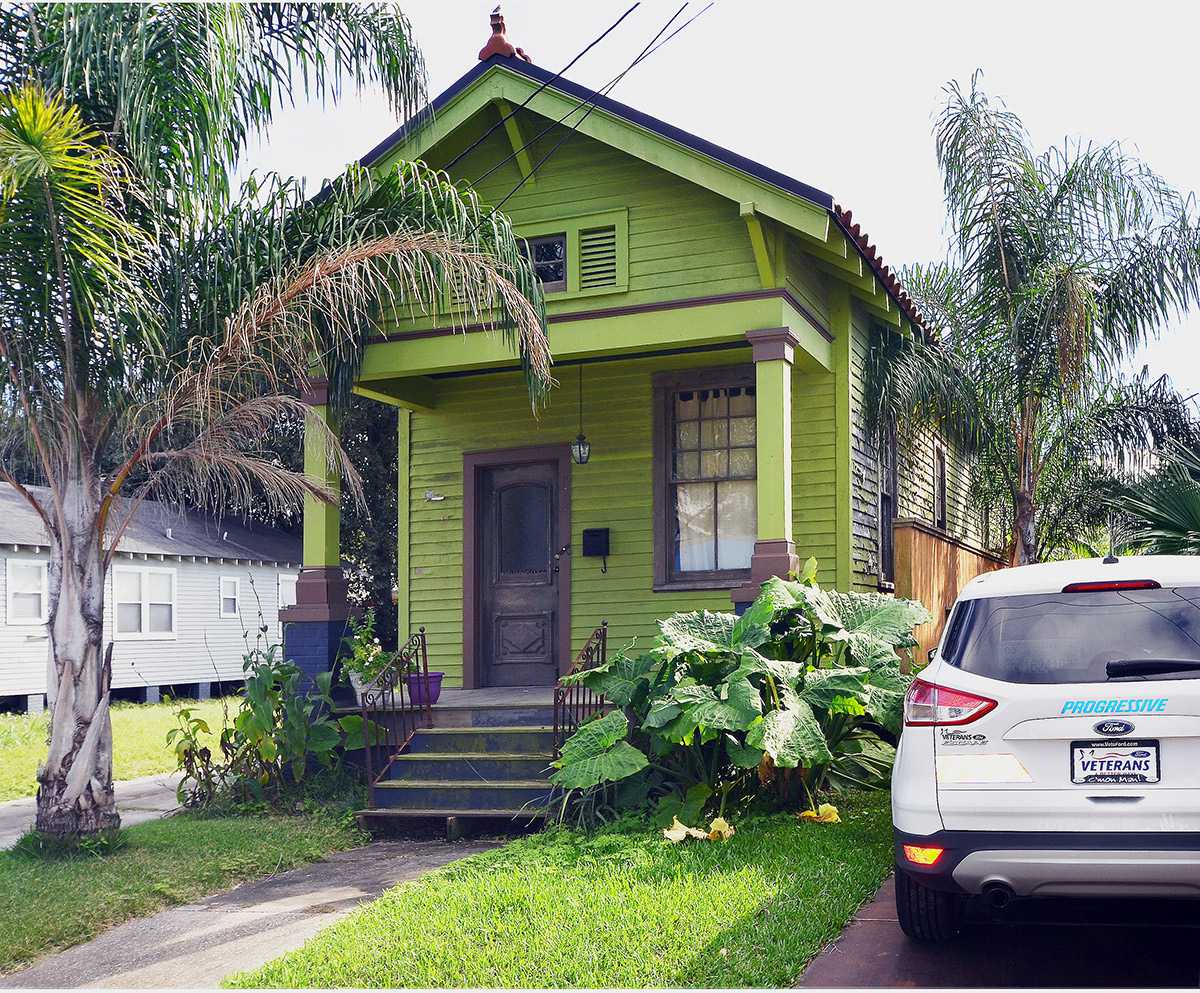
394	370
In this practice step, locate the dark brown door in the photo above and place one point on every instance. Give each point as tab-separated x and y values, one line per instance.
518	574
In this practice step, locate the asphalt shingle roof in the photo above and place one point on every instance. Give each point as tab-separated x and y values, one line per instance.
191	533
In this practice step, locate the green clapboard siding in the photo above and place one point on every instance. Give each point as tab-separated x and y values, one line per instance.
613	490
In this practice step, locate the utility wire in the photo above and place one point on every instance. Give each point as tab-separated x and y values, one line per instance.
524	103
654	45
603	91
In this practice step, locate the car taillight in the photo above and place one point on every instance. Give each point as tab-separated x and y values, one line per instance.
922	855
1111	585
927	703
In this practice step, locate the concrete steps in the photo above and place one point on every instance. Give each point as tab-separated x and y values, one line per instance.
491	761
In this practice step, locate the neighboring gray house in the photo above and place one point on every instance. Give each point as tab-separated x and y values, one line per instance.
188	589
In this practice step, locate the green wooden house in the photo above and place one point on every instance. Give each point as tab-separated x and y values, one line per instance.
709	319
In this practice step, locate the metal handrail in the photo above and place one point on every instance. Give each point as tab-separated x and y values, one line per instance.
574	704
389	697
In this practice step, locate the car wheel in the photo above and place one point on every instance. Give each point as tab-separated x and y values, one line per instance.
926	914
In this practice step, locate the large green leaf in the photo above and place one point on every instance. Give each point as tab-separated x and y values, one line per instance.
885	691
753	628
873	625
619	679
863	760
733	706
699	631
822	686
792	738
598	753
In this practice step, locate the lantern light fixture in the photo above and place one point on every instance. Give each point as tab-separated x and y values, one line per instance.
581	448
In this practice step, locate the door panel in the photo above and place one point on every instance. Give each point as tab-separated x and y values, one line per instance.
519	578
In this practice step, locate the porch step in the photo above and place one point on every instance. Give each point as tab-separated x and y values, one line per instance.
492	715
385	814
506	739
461	798
470	766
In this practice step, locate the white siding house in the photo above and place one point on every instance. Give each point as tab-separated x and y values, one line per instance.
184	594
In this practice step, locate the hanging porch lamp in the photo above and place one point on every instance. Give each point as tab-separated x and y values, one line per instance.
581	448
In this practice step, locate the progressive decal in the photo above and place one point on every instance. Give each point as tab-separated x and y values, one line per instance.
1135	705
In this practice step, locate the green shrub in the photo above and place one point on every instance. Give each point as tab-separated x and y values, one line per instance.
802	693
277	737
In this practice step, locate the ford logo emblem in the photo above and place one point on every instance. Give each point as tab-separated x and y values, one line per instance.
1112	727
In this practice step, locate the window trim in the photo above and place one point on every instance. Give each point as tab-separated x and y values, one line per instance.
941	494
8	592
279	578
888	469
572	226
664	385
237	596
145	634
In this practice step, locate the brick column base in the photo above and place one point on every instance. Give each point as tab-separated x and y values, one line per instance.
771	558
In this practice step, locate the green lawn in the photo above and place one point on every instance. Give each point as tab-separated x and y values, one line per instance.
51	904
622	908
139	743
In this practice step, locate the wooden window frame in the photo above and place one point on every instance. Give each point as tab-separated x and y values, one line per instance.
279	579
888	462
665	384
145	634
941	496
571	226
8	592
237	596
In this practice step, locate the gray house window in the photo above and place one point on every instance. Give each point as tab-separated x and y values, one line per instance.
887	507
939	489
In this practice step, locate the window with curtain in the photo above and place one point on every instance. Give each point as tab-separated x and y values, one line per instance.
710	479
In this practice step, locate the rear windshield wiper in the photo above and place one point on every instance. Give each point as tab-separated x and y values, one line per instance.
1150	667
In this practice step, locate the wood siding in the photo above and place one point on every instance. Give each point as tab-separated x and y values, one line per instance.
206	646
915	470
934	570
614	490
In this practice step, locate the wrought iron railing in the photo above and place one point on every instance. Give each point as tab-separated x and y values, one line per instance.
394	705
574	704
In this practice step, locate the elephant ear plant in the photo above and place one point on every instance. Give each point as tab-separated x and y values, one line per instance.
802	693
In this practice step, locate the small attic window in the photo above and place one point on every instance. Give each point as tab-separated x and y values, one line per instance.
549	254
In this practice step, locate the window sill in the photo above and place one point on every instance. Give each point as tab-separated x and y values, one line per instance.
707	583
166	636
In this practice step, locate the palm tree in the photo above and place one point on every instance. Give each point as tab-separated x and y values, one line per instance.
1060	264
156	324
1162	510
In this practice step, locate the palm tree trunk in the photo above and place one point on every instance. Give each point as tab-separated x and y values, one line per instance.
75	794
1024	530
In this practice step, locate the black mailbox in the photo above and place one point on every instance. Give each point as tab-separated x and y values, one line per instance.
595	542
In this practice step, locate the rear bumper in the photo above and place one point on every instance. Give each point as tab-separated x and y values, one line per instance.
1152	864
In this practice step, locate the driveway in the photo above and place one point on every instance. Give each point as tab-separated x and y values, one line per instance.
137	800
1051	943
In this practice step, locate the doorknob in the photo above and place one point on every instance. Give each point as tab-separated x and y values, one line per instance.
562	551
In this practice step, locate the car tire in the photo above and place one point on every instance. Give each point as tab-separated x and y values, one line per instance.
928	915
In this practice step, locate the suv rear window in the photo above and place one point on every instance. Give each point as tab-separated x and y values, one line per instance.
1071	637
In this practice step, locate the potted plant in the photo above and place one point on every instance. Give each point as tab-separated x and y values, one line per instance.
417	685
365	658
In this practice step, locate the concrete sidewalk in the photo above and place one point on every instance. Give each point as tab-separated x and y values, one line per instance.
200	944
1061	943
137	800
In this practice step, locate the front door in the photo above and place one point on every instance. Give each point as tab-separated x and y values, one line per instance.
519	574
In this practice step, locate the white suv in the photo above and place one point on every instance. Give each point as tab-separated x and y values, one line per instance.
1052	747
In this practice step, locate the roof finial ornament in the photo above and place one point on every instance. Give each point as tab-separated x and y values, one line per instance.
498	44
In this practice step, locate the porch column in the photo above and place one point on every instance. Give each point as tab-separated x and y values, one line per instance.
313	629
774	550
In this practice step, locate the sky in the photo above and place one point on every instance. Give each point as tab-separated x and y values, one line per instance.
841	97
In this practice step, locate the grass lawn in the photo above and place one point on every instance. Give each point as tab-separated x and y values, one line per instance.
50	904
139	743
621	908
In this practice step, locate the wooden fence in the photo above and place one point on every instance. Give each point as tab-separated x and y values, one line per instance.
932	567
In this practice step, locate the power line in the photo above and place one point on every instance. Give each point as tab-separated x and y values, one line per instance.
524	103
652	47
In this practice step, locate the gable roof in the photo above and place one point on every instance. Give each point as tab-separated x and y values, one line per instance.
192	533
787	185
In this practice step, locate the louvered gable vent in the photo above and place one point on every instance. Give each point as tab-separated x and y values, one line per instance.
598	257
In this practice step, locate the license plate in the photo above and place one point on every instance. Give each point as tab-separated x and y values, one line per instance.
1114	762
